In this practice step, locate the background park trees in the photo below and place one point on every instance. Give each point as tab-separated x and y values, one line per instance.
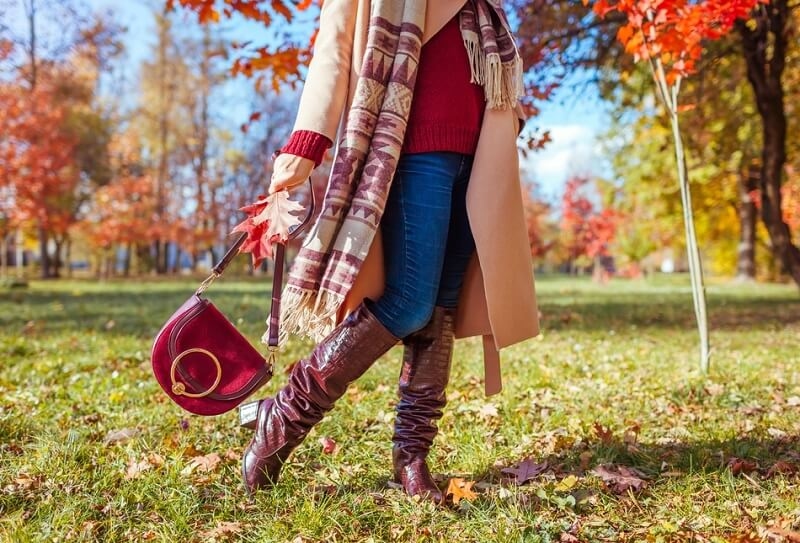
143	169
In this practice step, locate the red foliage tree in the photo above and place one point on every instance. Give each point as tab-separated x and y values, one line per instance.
586	231
37	166
537	215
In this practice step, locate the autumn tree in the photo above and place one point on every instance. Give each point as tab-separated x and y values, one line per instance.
587	226
562	38
54	145
542	230
766	40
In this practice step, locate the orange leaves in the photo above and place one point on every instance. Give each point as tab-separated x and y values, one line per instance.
37	154
460	489
283	62
673	31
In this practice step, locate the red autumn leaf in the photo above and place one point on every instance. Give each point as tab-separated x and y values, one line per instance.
329	445
604	433
620	479
739	466
526	470
783	467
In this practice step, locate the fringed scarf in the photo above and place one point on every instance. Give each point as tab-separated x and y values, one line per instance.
329	261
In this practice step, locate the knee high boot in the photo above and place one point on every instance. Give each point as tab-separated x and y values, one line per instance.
423	380
314	385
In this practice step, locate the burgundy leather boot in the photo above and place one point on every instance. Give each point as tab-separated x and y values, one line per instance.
314	385
423	379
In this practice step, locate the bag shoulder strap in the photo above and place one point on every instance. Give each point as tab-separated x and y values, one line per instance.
279	254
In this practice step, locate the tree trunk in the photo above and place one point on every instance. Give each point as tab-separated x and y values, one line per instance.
57	260
764	43
126	265
19	253
68	256
746	257
44	255
160	256
4	256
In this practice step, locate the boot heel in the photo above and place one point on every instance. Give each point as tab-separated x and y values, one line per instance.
248	414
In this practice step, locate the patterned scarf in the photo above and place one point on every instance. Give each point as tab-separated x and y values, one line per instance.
332	254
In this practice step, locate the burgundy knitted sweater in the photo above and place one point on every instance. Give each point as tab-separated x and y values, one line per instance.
446	112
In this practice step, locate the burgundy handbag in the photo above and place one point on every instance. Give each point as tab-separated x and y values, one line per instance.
201	360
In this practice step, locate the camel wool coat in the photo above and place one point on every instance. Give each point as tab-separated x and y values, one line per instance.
498	301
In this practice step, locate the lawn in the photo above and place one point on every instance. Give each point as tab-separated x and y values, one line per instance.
90	450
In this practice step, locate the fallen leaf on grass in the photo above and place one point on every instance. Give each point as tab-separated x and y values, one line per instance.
25	482
460	490
232	455
526	470
788	535
631	435
222	532
488	411
793	401
586	457
114	437
740	466
136	468
566	484
620	479
776	433
328	445
203	464
604	433
782	467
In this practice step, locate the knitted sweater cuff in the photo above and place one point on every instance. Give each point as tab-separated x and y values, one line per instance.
307	144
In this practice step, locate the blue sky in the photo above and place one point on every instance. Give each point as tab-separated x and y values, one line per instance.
574	121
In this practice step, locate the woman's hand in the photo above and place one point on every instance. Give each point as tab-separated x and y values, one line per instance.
289	171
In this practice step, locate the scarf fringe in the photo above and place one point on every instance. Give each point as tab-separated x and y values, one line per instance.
477	59
306	313
502	82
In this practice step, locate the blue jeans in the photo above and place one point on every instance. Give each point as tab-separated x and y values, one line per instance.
427	242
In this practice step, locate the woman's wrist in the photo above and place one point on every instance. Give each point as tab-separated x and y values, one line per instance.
307	144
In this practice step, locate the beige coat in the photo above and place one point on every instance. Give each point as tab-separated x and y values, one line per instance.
498	300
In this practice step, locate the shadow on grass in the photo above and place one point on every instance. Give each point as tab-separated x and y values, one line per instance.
672	461
139	313
139	309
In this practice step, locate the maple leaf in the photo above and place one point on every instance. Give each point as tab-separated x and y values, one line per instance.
784	467
739	466
205	464
620	479
222	532
269	220
278	214
605	434
526	470
136	468
460	490
120	436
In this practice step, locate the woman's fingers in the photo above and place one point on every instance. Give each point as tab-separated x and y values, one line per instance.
290	171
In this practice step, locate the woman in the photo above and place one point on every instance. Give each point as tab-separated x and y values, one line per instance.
426	93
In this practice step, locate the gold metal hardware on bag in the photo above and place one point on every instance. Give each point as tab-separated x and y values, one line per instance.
179	389
207	283
273	355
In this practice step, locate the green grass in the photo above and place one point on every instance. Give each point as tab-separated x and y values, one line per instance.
74	366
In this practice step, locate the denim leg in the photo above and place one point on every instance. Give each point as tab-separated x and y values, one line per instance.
460	243
415	228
